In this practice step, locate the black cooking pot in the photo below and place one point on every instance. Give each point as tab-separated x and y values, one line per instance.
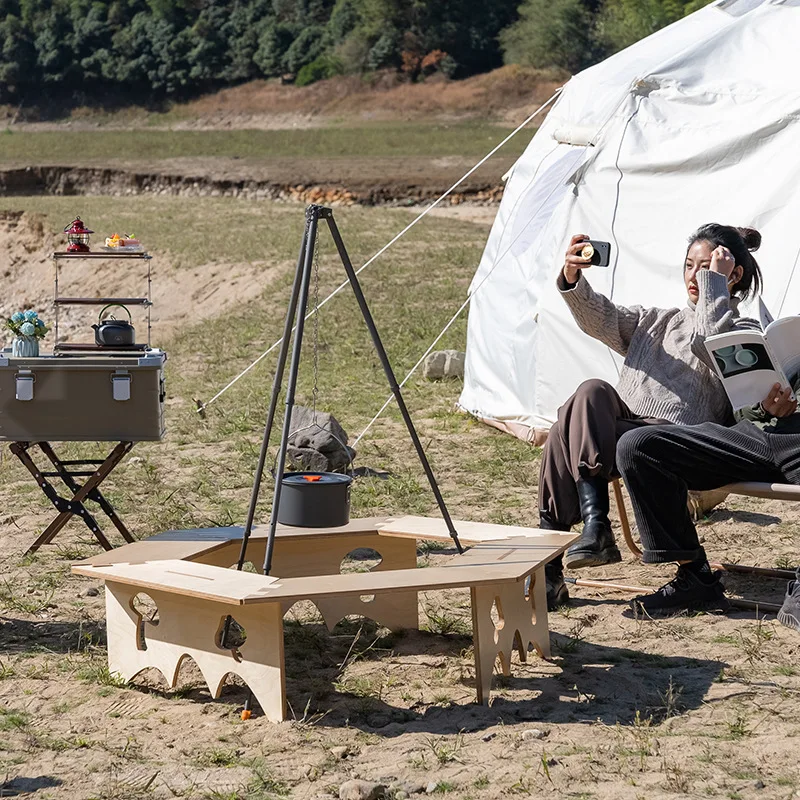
315	499
113	332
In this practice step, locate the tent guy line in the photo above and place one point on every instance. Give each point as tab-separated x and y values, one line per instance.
202	406
455	316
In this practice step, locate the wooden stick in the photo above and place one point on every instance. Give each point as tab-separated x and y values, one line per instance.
621	587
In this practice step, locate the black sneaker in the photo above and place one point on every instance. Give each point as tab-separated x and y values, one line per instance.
685	592
789	615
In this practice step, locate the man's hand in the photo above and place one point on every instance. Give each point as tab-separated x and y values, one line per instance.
573	261
780	402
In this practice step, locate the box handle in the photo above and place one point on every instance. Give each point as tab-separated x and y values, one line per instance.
25	381
121	385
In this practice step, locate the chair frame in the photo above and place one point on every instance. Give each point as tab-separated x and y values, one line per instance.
771	491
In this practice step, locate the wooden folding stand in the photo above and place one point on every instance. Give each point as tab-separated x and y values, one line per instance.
67	508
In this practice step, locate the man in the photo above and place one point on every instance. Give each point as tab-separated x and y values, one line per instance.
660	464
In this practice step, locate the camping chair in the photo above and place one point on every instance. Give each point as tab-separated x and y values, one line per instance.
771	491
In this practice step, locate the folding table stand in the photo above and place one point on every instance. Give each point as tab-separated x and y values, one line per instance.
67	471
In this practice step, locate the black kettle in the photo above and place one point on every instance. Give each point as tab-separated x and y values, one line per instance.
113	332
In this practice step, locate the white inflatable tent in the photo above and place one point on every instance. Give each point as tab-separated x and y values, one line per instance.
696	123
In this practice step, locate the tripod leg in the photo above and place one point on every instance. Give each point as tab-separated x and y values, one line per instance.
387	368
313	217
276	390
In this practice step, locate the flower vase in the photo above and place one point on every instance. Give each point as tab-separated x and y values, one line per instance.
25	347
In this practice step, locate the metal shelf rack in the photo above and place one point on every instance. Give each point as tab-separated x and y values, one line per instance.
58	300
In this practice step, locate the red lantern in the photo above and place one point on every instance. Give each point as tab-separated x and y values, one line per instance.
77	236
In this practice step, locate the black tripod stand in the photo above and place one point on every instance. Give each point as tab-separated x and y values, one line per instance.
298	305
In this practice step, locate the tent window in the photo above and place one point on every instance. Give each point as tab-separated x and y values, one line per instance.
537	205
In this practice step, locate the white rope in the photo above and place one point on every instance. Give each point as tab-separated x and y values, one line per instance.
498	258
380	252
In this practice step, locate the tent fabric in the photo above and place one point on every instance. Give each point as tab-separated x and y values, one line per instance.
697	123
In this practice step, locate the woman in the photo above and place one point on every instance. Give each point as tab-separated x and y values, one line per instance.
667	377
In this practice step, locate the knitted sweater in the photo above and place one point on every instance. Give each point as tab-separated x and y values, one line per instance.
667	372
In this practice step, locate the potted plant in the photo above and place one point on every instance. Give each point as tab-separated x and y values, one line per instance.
27	329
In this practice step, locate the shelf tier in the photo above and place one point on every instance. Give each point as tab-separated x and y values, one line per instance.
142	255
96	348
102	301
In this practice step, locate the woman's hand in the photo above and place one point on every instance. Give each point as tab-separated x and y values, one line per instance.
573	261
722	261
780	402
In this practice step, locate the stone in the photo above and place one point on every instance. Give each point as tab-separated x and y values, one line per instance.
361	790
317	442
339	752
444	364
488	737
92	591
532	734
759	785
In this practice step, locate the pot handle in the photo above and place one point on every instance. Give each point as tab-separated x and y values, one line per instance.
114	305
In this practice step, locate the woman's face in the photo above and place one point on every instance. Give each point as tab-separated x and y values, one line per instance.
698	257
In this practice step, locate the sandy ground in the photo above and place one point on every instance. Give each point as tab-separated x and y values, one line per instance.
625	708
28	282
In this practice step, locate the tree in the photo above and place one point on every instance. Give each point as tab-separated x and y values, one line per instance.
552	33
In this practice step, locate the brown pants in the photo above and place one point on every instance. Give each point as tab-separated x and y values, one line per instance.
582	444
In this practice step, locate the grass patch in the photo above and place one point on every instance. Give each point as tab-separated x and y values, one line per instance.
468	138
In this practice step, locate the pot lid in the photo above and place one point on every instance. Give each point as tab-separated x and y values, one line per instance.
314	478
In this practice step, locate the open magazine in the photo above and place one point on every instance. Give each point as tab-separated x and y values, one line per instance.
750	363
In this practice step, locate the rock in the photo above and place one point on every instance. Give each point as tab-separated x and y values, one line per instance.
488	737
532	734
92	591
339	752
444	364
759	785
361	790
318	443
431	787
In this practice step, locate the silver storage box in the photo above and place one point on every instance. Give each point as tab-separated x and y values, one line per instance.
86	398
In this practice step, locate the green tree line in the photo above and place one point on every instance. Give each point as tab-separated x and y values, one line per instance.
146	51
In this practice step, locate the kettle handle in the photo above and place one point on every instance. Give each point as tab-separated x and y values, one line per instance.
114	305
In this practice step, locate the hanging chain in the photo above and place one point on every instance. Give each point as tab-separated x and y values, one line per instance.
315	390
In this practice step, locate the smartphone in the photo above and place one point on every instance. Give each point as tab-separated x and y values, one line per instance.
599	252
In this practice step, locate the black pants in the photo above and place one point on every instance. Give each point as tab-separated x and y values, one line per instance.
659	465
582	444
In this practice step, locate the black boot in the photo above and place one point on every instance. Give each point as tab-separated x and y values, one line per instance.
596	546
557	593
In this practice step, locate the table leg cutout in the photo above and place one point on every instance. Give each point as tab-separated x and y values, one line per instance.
521	620
189	627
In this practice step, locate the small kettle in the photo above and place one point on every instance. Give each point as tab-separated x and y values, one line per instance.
113	332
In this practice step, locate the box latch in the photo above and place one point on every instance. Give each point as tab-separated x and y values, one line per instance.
121	383
25	380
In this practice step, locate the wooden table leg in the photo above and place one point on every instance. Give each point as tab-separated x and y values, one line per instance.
294	558
521	620
191	627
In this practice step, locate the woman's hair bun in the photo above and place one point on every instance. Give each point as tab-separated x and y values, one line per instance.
751	238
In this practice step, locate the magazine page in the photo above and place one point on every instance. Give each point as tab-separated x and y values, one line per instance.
746	366
783	336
